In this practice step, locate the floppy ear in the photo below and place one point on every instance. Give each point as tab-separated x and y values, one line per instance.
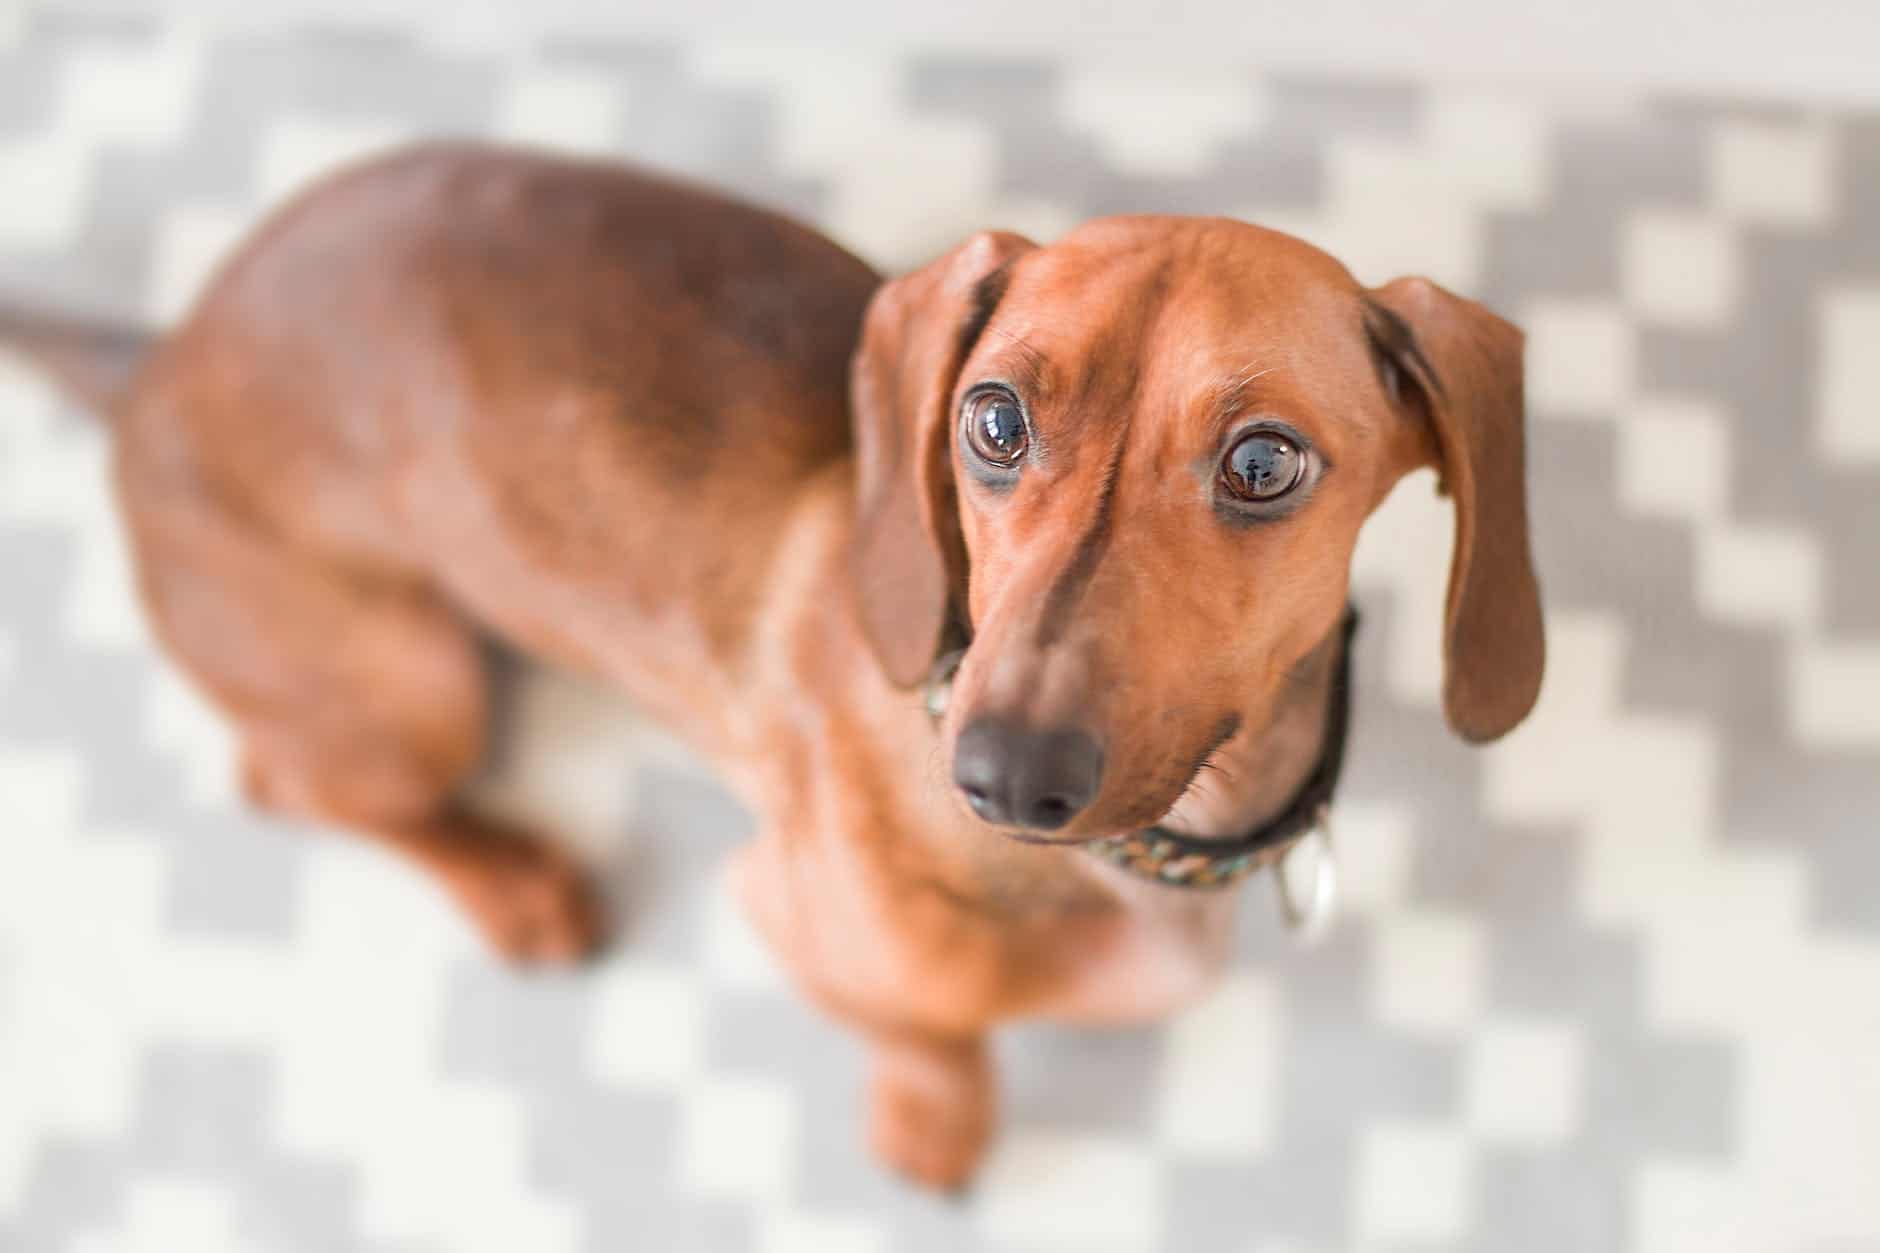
1463	367
910	557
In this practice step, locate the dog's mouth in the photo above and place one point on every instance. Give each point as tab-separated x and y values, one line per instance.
1203	774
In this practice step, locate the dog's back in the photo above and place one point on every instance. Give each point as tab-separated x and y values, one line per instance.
467	387
517	375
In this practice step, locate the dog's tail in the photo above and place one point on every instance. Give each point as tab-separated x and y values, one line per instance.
91	361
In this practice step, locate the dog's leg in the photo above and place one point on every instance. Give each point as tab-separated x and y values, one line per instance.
932	1098
363	702
931	1104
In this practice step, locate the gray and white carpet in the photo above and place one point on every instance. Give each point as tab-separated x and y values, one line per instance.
1613	984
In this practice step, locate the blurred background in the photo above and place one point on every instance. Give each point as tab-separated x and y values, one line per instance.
1611	984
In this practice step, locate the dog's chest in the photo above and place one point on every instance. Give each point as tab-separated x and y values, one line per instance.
1161	950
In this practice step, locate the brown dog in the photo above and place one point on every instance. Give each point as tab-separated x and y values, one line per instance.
653	434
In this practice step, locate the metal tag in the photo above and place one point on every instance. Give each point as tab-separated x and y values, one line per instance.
1306	879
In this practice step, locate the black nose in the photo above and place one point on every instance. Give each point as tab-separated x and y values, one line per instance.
1016	777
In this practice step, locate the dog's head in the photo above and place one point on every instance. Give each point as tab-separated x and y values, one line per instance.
1136	463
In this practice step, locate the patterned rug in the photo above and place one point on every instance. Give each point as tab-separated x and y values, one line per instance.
1613	984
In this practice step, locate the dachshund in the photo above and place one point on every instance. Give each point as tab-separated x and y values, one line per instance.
1010	593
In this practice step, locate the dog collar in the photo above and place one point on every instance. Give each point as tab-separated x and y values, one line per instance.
1172	859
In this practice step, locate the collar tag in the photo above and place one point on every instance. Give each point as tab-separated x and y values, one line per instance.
1305	879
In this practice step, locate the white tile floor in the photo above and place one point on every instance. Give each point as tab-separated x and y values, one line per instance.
1607	985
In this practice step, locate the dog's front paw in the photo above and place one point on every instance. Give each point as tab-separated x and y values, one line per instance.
531	901
930	1110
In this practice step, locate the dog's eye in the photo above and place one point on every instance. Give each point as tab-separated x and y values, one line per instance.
995	427
1263	466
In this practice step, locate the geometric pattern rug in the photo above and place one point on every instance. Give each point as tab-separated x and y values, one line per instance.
1613	983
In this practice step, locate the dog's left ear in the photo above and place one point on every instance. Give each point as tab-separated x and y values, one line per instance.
1458	366
910	557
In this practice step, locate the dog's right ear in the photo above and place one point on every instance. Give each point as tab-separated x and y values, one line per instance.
910	557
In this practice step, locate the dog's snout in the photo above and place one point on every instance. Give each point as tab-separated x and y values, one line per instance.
1017	777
